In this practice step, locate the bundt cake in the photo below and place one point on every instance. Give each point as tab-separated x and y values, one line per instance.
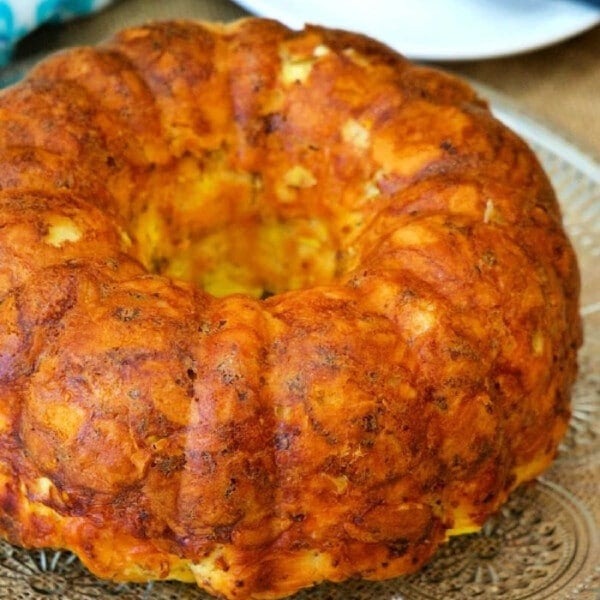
276	307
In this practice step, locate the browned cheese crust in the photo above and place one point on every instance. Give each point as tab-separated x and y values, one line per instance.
276	308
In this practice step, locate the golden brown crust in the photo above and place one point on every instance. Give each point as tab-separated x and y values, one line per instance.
413	366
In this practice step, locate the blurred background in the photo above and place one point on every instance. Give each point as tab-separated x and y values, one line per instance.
545	60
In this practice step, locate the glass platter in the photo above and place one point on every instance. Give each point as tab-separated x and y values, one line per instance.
545	542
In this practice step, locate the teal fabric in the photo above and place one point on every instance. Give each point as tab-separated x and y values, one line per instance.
20	17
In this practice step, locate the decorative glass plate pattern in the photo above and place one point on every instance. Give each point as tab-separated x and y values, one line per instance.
543	544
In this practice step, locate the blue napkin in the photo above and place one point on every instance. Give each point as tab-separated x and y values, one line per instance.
20	17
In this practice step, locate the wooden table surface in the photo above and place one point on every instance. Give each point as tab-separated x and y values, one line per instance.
558	85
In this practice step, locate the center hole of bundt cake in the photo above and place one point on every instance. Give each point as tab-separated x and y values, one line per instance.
230	231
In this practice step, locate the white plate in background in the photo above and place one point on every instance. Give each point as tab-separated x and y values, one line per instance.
443	29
